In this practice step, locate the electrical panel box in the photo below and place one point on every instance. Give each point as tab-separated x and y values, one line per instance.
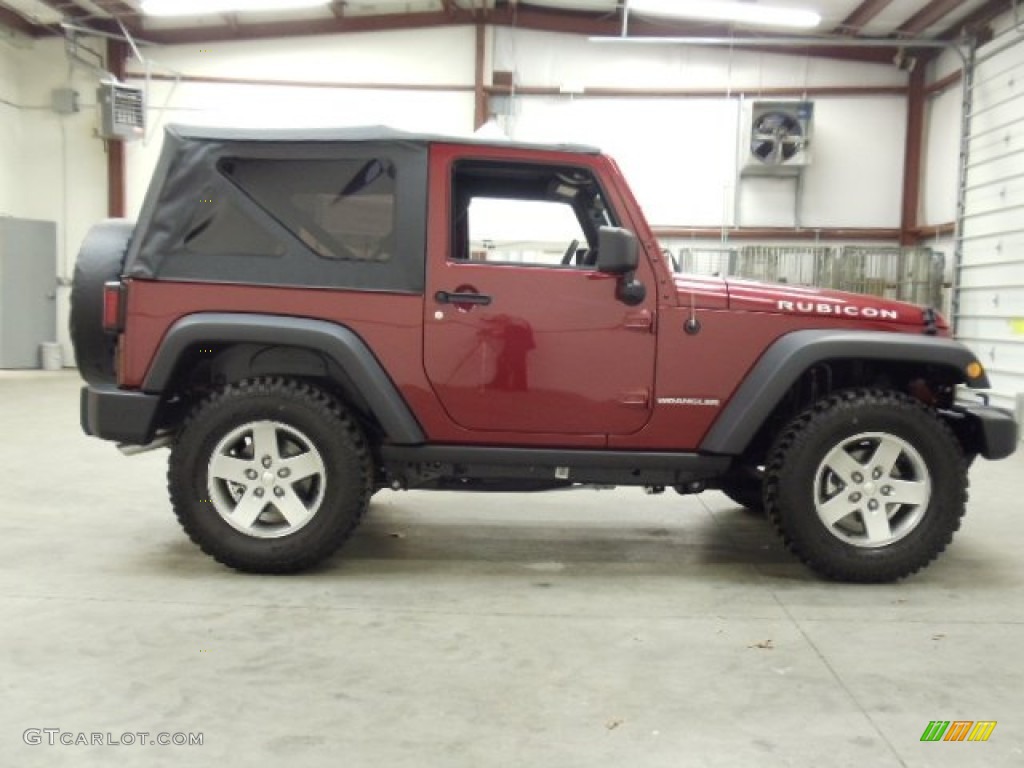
777	140
64	101
122	112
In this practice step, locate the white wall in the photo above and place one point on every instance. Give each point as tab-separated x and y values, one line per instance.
438	58
680	154
51	166
941	161
10	128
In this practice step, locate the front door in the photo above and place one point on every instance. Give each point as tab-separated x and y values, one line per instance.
522	333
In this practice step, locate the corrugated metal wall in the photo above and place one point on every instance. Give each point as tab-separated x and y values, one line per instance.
989	281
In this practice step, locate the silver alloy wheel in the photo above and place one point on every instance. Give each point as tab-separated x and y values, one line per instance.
872	489
266	479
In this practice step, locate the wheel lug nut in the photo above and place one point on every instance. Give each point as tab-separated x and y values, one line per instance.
857	477
855	497
872	505
258	493
876	473
279	492
887	490
251	474
267	461
285	472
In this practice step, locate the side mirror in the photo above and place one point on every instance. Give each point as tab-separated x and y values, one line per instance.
617	251
619	254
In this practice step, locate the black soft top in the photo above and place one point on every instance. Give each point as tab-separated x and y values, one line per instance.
189	192
362	133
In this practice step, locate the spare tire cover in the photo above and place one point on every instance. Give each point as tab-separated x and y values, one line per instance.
100	260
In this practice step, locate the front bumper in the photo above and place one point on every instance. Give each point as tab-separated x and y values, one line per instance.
986	430
121	415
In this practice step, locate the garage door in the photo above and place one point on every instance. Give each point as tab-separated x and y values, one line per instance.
989	304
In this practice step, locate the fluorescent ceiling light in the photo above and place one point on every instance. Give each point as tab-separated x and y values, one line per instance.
213	7
740	12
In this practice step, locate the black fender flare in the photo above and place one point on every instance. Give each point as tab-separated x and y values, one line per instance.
363	377
789	357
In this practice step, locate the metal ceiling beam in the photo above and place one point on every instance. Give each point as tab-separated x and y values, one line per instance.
13	20
117	53
301	27
976	20
525	16
75	14
518	15
117	8
69	10
861	15
480	96
913	155
932	13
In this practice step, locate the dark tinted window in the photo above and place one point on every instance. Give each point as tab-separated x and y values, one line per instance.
341	209
219	228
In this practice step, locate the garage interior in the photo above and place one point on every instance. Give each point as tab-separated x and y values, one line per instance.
577	627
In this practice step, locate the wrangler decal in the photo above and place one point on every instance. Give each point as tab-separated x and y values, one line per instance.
700	401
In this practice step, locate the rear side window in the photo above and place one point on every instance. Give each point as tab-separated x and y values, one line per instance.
220	228
340	209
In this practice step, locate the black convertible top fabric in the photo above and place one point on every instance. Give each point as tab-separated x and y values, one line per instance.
371	133
188	175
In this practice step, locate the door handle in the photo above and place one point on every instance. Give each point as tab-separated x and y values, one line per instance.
639	321
637	398
444	297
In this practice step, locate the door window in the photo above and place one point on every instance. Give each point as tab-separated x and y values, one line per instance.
537	232
527	215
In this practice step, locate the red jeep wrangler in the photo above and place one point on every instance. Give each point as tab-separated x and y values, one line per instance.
308	317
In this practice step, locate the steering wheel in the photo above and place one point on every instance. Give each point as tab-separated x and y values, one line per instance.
570	251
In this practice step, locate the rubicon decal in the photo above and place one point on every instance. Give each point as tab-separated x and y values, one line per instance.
708	402
845	310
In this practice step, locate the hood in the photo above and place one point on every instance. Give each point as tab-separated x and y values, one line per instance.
779	298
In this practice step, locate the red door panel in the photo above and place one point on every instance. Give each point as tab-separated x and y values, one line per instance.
552	351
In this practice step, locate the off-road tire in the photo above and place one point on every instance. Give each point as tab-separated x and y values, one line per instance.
294	408
746	491
799	460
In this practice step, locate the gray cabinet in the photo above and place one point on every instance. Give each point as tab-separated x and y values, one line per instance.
28	290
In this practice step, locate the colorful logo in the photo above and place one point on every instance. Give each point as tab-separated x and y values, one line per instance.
958	730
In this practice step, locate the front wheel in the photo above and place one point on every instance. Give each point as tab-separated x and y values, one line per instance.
866	486
269	476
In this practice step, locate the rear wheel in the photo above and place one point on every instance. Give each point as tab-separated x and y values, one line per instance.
867	486
269	476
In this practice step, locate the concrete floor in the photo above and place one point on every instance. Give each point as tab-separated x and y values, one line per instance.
589	628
